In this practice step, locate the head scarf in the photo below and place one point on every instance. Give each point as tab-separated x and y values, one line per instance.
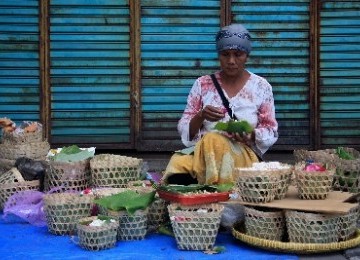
233	37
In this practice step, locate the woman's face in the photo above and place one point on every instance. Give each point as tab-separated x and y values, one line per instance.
232	62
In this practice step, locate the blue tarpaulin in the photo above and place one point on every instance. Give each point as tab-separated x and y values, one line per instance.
20	240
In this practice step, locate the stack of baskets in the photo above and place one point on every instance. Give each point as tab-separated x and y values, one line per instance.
14	145
110	170
12	182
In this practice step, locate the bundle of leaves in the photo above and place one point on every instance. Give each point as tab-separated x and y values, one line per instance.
128	200
72	154
233	126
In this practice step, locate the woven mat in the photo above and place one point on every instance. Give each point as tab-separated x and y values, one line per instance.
298	248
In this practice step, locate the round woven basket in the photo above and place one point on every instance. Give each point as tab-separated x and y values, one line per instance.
8	189
22	138
11	176
63	210
96	237
265	224
69	175
158	213
256	186
313	185
304	227
35	150
110	170
131	226
290	247
195	227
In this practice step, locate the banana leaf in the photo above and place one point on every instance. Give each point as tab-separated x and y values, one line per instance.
233	126
128	200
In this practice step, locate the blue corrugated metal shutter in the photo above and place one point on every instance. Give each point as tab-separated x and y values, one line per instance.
90	72
177	46
340	73
280	34
19	60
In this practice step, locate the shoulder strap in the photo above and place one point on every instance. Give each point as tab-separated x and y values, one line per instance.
223	98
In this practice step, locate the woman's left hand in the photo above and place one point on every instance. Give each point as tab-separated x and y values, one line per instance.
245	138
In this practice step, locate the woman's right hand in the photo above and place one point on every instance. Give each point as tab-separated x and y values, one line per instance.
212	113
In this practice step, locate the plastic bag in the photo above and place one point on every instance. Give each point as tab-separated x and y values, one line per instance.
28	205
31	169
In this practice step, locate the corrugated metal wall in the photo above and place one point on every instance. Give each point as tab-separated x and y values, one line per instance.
90	72
177	46
340	73
19	60
280	34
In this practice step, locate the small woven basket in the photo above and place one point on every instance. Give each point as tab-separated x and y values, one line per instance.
347	224
69	175
256	186
131	226
8	189
35	150
11	176
195	227
306	227
22	138
63	210
110	170
320	156
96	237
265	224
157	212
313	185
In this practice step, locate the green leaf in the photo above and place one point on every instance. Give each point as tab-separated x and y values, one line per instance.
128	200
234	126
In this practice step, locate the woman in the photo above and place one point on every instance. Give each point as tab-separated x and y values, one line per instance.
212	155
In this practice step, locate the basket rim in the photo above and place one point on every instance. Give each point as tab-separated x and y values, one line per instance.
291	247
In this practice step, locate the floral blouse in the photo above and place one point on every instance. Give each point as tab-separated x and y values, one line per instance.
253	103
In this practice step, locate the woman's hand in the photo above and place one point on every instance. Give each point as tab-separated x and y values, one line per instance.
245	138
212	113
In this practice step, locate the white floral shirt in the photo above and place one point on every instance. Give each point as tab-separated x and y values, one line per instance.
253	103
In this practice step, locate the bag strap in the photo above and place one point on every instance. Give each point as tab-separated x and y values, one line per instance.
223	98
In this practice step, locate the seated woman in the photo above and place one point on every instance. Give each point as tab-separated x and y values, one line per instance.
212	155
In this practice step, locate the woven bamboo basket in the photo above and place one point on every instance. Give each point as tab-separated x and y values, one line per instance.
195	227
157	212
69	175
109	170
313	185
8	189
35	150
6	165
320	156
63	210
131	226
96	238
13	138
256	186
11	176
264	224
304	227
347	224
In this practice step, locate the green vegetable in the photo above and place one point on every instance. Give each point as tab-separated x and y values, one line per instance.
233	126
196	187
